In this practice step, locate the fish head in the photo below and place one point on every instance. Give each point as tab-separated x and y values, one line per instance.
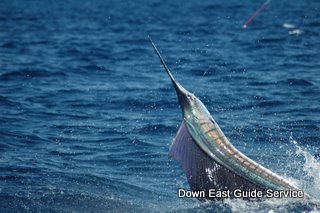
192	108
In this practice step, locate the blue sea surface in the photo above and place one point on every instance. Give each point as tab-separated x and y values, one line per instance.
87	112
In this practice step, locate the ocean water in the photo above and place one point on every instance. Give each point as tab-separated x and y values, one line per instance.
87	113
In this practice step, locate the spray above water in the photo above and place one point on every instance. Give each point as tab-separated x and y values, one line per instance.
311	167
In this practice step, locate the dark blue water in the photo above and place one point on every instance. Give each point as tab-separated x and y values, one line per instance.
87	113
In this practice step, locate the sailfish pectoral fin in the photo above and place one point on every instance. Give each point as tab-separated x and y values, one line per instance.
202	171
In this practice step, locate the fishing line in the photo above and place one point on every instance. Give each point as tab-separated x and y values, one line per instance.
255	13
244	26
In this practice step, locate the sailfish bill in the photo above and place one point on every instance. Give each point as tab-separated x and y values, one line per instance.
207	157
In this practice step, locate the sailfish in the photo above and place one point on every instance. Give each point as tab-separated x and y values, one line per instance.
207	157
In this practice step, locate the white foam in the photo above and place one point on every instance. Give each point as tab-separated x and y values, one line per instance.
295	32
288	26
268	205
311	167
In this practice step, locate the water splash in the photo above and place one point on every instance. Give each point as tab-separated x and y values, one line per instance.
270	206
288	26
295	32
311	167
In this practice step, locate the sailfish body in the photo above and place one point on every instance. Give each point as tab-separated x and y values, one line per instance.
207	157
